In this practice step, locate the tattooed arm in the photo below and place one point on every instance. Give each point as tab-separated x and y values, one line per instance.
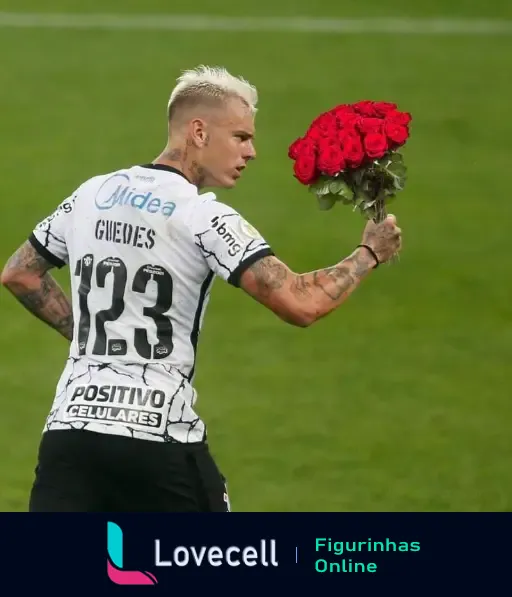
26	276
302	299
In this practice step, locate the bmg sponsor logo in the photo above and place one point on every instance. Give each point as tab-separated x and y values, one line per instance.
228	235
263	554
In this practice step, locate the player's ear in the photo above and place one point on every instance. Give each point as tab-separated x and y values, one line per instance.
199	132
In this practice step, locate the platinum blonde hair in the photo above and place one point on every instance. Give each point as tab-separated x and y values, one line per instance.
211	83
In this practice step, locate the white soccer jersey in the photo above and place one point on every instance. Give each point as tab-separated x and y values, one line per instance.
143	247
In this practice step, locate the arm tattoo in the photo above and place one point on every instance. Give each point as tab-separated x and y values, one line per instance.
303	298
270	275
37	290
48	303
28	259
301	287
336	281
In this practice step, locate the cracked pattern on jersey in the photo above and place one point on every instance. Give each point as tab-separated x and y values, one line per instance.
226	250
45	227
207	253
49	237
253	247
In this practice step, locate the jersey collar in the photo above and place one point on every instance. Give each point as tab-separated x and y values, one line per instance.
166	168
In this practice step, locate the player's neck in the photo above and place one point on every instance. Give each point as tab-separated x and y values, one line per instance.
179	160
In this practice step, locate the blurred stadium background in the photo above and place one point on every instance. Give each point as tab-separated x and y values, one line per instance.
400	400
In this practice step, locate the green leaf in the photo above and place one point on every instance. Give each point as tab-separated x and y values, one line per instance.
326	202
395	171
399	184
383	163
321	186
358	176
360	199
340	187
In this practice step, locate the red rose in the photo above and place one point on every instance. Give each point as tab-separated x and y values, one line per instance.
352	148
383	108
294	148
396	133
342	108
330	157
365	108
324	125
299	146
342	111
348	120
305	168
396	117
315	133
370	125
376	145
348	136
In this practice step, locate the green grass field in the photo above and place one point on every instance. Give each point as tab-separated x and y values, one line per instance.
400	400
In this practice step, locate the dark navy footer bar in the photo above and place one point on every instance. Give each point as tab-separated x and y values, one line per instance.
353	554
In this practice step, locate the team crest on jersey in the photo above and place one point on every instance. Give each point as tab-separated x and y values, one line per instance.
248	229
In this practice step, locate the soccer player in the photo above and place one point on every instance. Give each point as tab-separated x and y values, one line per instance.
144	244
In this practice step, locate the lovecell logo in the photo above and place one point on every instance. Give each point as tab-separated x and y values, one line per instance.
116	573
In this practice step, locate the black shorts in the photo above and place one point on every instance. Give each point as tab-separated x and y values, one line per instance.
84	471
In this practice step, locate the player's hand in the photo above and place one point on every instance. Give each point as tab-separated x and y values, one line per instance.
384	238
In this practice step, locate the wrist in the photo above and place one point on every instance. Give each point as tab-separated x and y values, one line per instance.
369	255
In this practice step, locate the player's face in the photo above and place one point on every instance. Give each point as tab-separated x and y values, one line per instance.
230	145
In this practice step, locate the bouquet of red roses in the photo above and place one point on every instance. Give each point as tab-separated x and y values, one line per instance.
350	154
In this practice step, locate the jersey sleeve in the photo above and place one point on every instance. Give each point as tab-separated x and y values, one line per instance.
228	242
49	236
